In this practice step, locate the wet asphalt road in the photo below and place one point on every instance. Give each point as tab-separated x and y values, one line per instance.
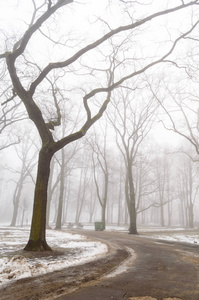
160	270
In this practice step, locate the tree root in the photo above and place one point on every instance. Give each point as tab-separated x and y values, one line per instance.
38	245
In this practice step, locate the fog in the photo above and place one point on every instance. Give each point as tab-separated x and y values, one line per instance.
116	119
165	180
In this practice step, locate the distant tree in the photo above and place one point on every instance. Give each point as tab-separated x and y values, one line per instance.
25	206
187	189
30	84
145	181
179	102
11	112
121	194
101	170
161	170
27	159
65	169
132	121
85	177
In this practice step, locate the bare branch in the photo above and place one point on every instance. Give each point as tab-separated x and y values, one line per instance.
28	34
174	129
107	36
7	145
11	98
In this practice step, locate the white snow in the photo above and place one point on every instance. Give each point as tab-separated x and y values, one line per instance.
184	237
78	250
123	267
12	267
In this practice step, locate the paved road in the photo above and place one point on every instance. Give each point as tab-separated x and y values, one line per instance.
161	270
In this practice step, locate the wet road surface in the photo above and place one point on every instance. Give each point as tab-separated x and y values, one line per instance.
161	270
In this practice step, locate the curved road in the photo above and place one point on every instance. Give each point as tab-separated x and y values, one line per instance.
161	270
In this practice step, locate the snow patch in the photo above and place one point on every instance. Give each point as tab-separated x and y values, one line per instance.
123	267
185	238
77	248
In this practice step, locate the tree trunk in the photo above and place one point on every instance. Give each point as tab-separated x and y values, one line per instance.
169	212
16	199
37	239
103	219
131	204
61	193
50	193
66	202
92	206
60	205
106	183
119	201
132	217
191	215
80	196
15	214
22	218
161	212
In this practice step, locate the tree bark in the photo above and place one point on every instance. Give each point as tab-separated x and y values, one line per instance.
37	239
131	201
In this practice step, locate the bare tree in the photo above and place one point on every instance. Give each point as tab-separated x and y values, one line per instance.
187	189
28	163
29	89
101	171
11	111
65	169
132	120
145	181
161	175
25	206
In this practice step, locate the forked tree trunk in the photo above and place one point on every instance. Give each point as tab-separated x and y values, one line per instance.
37	239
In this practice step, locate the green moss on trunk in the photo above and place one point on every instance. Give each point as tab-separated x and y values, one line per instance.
37	239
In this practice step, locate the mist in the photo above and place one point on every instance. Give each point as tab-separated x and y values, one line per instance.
108	134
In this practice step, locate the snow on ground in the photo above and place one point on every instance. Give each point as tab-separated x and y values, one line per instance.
12	267
178	234
171	234
77	249
180	237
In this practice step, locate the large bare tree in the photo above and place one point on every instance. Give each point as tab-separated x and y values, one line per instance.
30	84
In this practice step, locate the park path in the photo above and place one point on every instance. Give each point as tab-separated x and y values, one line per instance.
161	270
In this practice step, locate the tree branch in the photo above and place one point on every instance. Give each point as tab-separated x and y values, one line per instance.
91	46
28	34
